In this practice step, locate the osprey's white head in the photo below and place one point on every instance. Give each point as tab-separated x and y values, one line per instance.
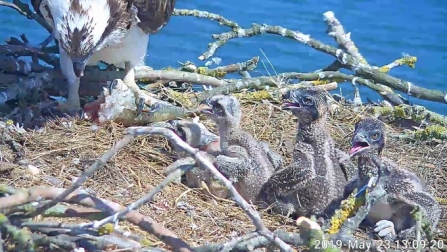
83	27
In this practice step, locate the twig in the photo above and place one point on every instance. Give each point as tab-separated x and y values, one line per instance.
182	76
86	174
20	236
143	200
25	10
335	30
254	216
343	39
23	49
94	80
232	68
258	83
351	224
405	60
245	243
207	15
13	6
147	224
416	113
345	59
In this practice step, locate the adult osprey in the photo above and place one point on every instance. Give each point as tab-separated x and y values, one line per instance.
113	31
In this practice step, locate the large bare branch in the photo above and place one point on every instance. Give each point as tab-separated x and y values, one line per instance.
346	60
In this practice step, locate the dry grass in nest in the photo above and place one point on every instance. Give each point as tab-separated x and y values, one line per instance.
63	153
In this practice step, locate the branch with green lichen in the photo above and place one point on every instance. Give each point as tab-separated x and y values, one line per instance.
405	60
416	113
343	39
20	197
346	60
347	209
265	91
17	235
95	79
222	71
342	225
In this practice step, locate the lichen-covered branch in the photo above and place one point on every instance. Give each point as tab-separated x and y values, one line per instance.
19	236
267	87
220	72
346	60
343	39
415	113
405	60
25	196
208	15
349	225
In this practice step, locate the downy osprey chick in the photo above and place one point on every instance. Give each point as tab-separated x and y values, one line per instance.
315	178
113	31
244	159
391	216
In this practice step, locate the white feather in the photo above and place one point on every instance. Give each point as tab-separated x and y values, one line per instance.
99	14
116	49
132	48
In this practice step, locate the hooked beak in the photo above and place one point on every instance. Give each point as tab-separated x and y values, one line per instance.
291	105
205	107
174	123
79	65
359	144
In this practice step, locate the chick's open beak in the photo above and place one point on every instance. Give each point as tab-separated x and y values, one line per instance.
206	108
359	144
290	105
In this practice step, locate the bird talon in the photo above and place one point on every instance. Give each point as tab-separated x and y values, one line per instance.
385	229
140	106
112	86
155	107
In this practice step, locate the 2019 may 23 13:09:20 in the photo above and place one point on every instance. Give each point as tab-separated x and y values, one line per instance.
386	244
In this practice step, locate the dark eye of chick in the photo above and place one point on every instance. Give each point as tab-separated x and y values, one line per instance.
181	133
375	136
307	100
217	106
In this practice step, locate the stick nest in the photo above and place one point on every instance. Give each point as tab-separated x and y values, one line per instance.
61	153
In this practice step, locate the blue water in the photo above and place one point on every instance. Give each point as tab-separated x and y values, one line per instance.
381	30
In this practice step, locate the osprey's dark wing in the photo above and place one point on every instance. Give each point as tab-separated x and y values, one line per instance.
154	14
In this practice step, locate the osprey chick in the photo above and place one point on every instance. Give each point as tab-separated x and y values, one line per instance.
113	31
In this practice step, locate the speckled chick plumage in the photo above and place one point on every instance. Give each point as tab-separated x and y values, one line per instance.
244	159
404	189
314	178
197	136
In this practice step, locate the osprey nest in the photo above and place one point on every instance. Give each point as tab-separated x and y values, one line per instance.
100	183
58	155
